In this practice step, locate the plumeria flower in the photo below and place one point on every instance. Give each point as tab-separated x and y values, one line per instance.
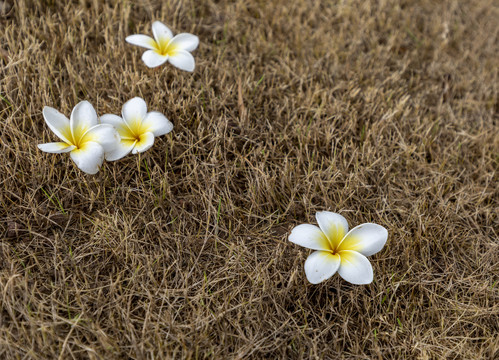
83	137
165	47
137	128
339	250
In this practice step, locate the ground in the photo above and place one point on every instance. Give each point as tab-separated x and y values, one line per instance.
384	111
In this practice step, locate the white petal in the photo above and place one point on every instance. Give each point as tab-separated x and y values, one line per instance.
56	147
184	41
142	40
103	134
183	60
161	32
121	150
156	123
134	111
58	123
309	236
83	118
152	59
355	268
321	265
112	119
366	239
119	124
88	157
145	142
333	225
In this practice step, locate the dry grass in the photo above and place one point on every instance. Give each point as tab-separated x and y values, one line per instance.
384	111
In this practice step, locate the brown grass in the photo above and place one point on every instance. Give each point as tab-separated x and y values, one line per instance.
384	111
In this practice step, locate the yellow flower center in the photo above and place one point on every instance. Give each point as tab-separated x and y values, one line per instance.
165	47
135	127
133	131
334	236
351	242
78	138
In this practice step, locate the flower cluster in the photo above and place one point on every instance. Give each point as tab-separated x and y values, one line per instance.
90	141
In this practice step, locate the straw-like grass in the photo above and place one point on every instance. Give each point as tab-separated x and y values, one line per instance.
384	111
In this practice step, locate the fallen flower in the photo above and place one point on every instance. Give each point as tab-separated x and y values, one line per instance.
165	47
83	137
137	128
338	250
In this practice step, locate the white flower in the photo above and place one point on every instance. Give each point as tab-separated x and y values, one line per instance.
339	250
137	128
164	47
83	137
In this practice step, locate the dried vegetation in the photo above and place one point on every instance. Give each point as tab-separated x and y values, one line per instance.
385	111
